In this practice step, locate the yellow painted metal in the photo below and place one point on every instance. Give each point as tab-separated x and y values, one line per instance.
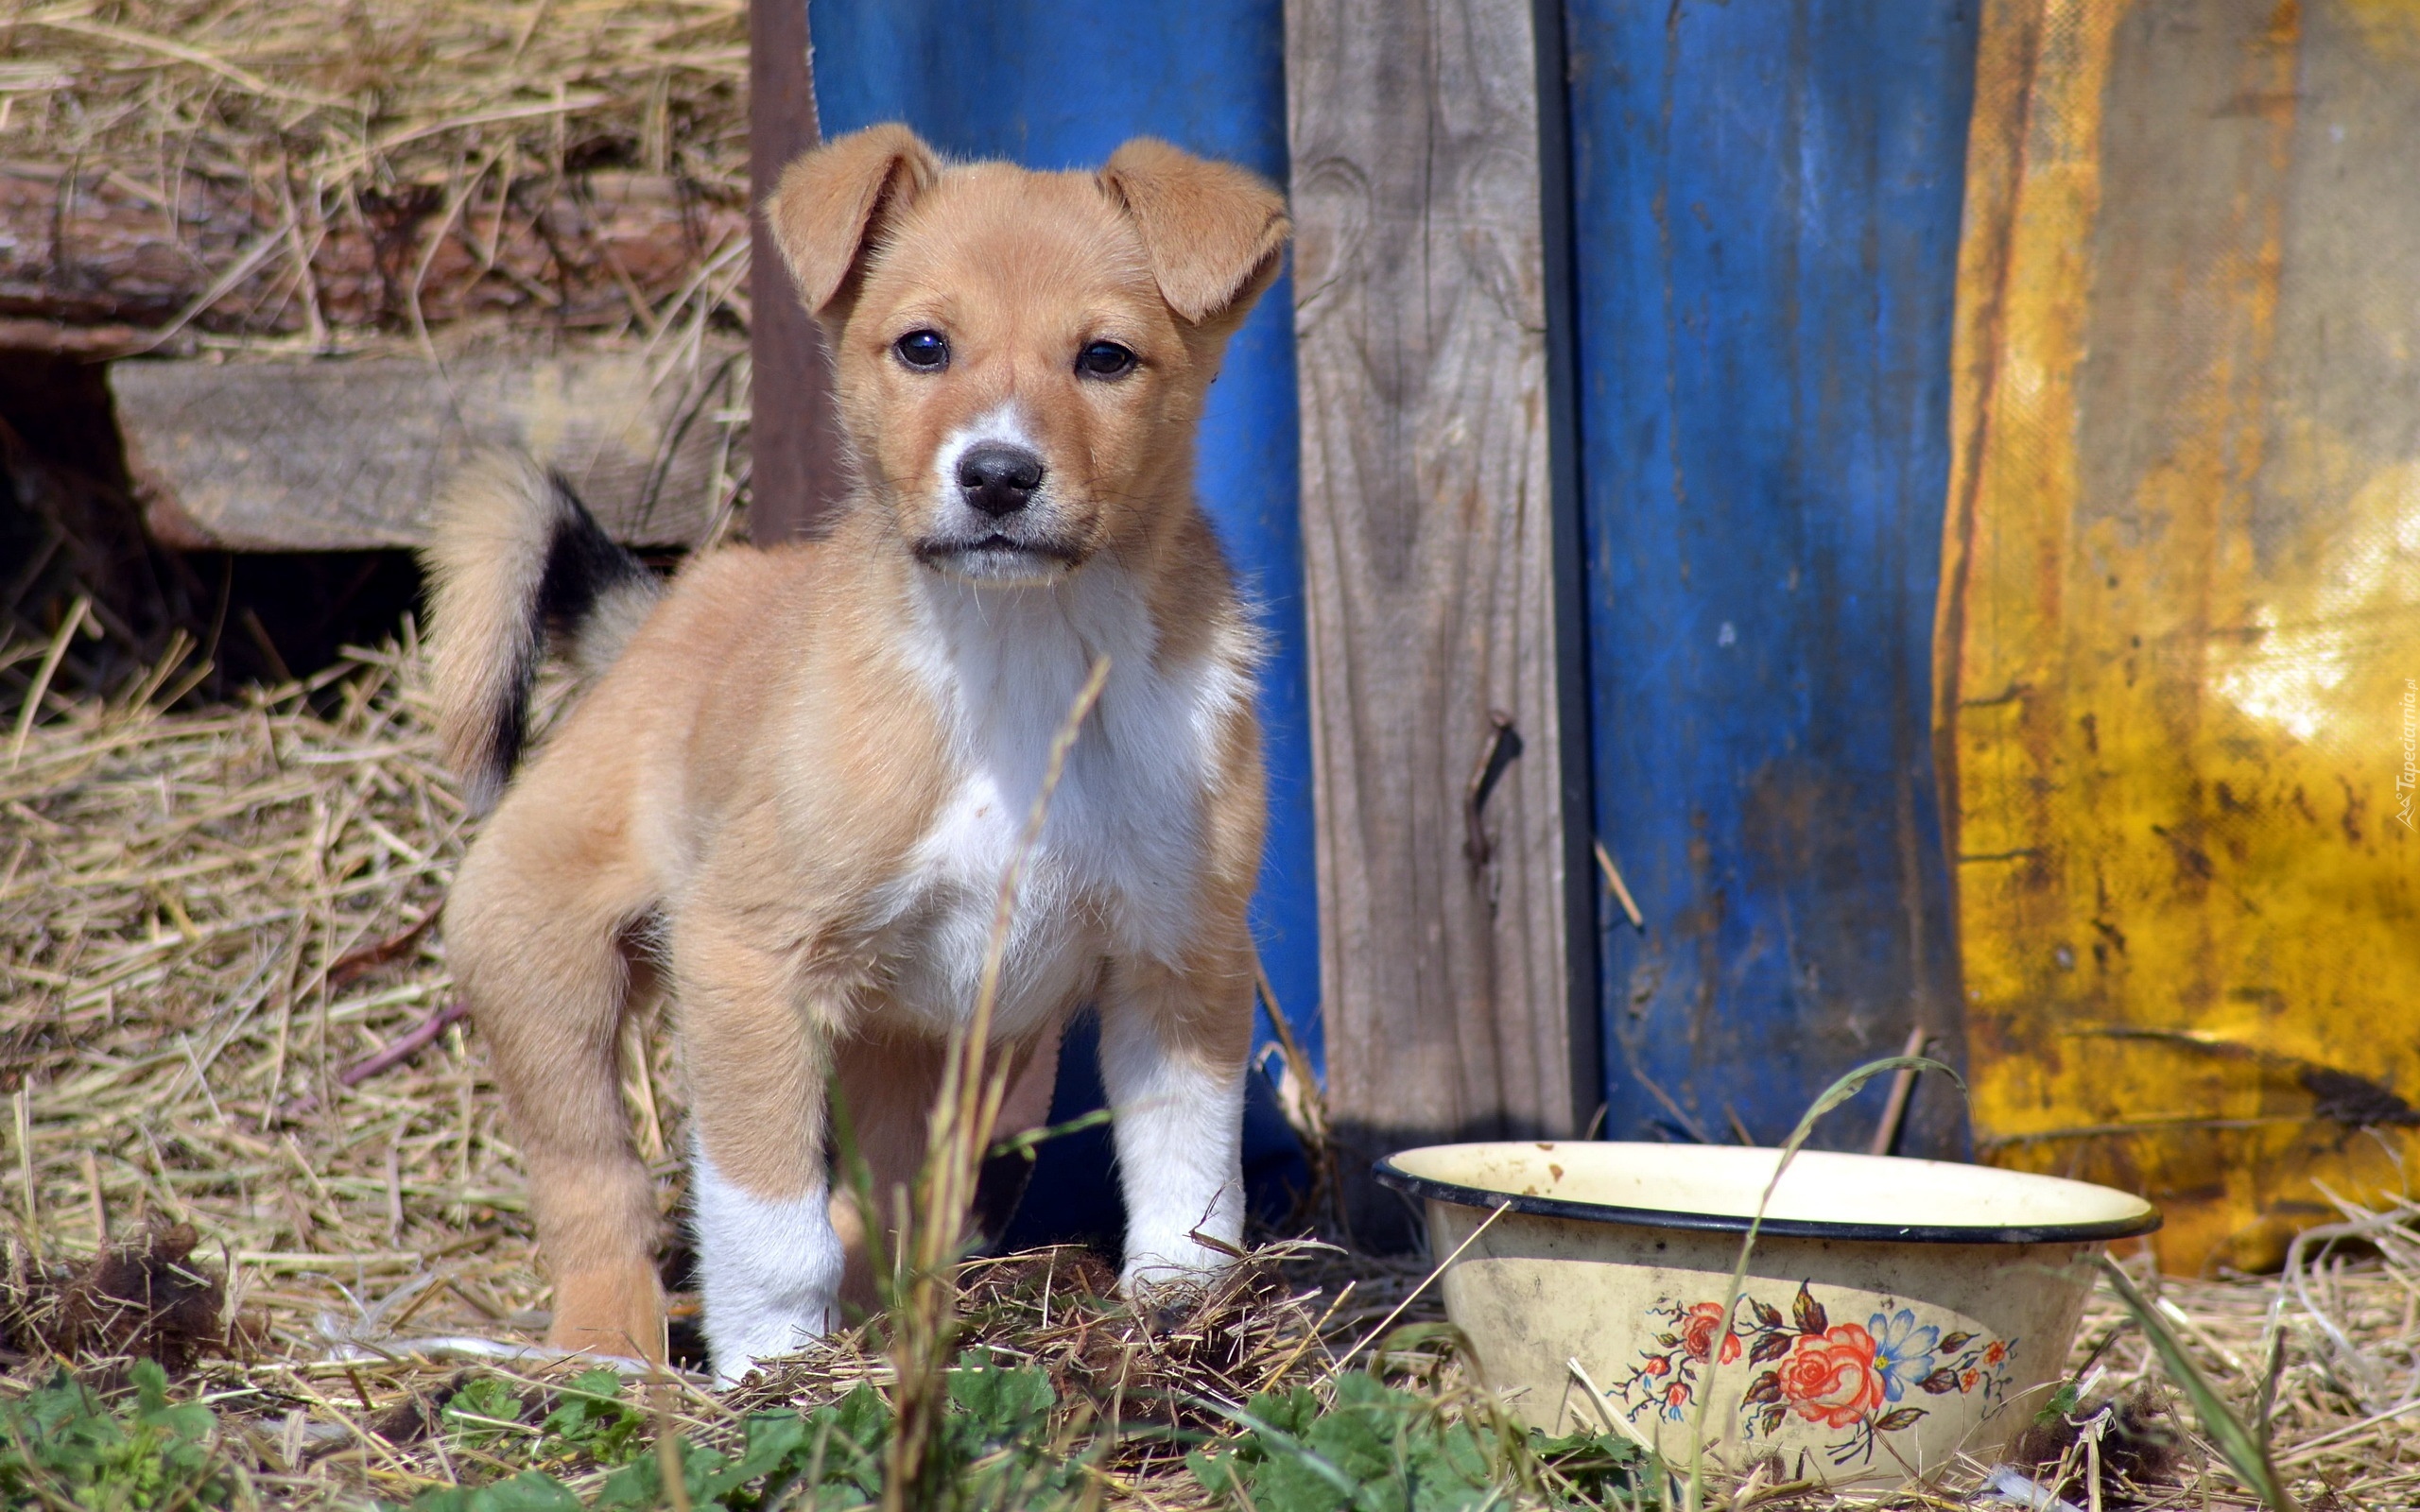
2179	630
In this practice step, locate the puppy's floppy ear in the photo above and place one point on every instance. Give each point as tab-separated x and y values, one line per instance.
832	200
1212	230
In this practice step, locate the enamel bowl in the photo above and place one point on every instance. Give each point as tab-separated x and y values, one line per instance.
1895	1314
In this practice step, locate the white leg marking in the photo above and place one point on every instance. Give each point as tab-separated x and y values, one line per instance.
770	1268
1180	1153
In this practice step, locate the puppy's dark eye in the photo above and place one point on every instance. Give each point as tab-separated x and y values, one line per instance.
924	351
1105	359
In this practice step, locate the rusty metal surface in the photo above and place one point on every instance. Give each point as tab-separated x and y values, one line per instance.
2180	624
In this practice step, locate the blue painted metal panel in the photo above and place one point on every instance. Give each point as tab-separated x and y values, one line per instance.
1059	84
1765	220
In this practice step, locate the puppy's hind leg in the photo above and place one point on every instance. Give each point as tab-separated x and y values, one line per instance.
769	1257
533	931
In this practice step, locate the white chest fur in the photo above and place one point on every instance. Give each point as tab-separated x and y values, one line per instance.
1116	869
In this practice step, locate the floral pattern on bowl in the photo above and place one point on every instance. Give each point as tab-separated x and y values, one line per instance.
1856	1381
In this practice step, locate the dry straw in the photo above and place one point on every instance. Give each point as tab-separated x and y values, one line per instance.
349	98
213	969
363	138
208	923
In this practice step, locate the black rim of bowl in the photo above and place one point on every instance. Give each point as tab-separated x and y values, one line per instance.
1392	1175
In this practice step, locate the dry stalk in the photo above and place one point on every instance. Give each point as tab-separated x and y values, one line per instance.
51	657
924	1310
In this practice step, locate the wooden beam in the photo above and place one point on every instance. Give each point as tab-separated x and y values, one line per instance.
315	456
89	249
796	469
1429	530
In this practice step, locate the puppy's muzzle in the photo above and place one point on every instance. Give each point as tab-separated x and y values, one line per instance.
998	479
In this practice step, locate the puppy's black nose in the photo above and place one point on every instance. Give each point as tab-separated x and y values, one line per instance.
997	478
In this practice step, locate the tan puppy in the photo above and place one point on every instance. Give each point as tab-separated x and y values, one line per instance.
798	773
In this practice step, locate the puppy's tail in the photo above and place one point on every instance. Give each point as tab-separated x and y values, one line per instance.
518	562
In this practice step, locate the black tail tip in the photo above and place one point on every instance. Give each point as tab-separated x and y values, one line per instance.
582	562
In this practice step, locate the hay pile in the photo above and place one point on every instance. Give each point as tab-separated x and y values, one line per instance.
224	1043
2345	1403
208	919
320	171
219	1013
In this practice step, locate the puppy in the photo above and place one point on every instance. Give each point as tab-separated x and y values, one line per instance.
797	774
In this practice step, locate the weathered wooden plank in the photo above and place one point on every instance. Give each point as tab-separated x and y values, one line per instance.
1428	529
1766	204
796	471
301	455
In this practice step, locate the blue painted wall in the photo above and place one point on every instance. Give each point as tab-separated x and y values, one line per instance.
1765	208
1059	84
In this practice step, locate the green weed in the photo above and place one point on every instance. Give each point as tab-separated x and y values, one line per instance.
593	1419
2243	1446
1381	1448
995	1452
484	1414
1004	1445
65	1448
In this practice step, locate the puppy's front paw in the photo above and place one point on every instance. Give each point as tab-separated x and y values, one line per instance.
762	1333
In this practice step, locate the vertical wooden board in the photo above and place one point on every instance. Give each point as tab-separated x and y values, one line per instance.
1765	217
797	472
1427	536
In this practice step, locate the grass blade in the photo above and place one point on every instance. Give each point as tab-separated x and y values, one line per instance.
2245	1451
1833	1097
924	1314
